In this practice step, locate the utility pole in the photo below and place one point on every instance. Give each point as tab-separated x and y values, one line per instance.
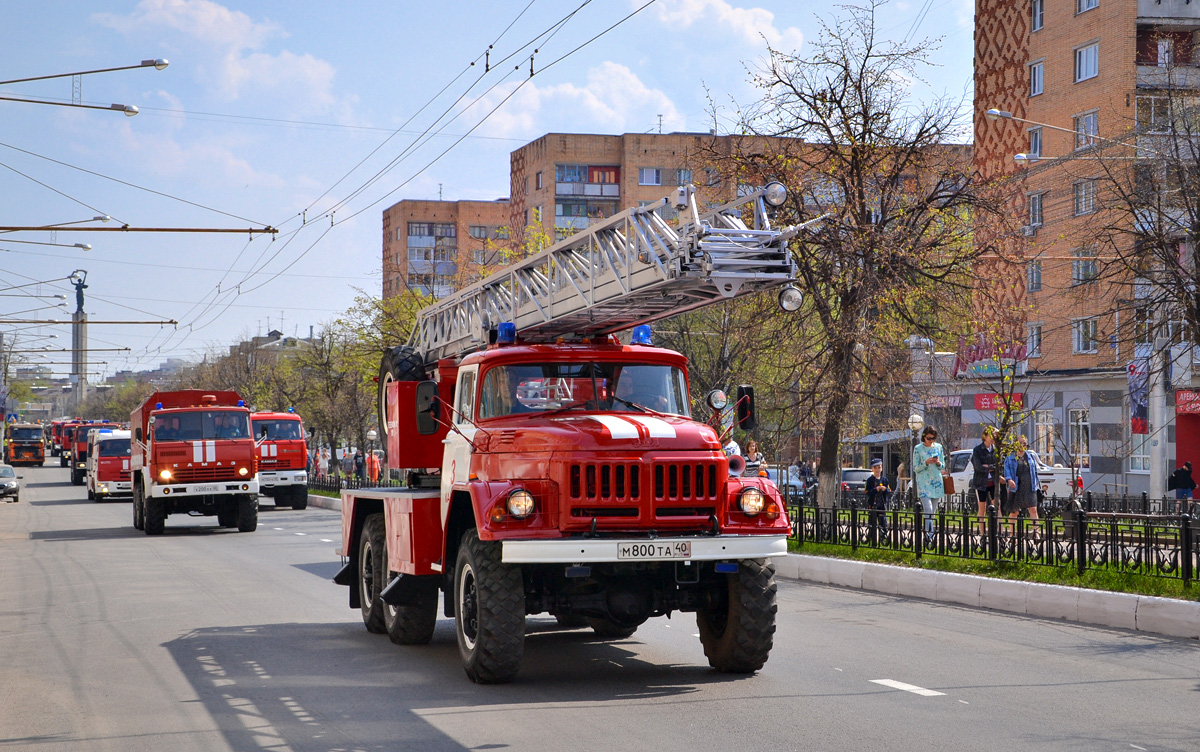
79	338
1158	418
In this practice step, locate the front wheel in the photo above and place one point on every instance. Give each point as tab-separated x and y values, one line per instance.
489	613
737	625
138	511
155	516
299	497
247	514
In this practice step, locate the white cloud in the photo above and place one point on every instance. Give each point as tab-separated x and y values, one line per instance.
613	100
750	24
231	60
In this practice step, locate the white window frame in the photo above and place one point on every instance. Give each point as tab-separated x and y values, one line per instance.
1166	52
1037	78
1085	335
1033	276
1037	15
1079	432
1035	142
1033	339
1085	267
1037	206
1085	197
1087	129
1082	6
1043	435
649	176
1087	62
1139	450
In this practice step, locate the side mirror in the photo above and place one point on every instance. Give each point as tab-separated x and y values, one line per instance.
137	434
745	407
427	408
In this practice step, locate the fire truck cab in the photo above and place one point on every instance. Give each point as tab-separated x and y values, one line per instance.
282	458
24	444
80	441
193	453
108	464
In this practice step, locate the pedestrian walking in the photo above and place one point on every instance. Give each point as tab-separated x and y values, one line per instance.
754	458
928	460
1184	485
878	489
1021	476
323	464
983	476
360	465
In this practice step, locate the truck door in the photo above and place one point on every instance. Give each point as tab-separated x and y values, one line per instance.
456	461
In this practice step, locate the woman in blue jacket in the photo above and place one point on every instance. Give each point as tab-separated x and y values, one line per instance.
1020	473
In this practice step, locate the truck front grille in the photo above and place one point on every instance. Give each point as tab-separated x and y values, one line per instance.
610	481
685	481
200	474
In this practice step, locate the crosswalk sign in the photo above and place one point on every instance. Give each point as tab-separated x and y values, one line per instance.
12	417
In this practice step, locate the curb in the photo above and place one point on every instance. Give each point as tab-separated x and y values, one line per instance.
1142	613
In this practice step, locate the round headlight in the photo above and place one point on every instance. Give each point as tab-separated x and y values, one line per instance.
717	399
774	194
752	501
520	503
790	298
243	471
165	474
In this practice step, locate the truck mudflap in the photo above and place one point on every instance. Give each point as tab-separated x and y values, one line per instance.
597	550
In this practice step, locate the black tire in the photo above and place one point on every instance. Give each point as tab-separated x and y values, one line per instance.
609	629
737	626
372	558
154	516
76	478
414	622
139	522
399	364
489	612
247	513
227	514
299	497
62	460
92	495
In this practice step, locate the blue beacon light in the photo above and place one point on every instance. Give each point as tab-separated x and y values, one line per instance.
641	335
241	403
506	333
157	405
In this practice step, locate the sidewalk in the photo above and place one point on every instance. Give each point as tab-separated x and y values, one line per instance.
1143	613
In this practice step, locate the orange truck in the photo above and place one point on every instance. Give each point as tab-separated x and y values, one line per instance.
24	444
282	458
108	465
193	453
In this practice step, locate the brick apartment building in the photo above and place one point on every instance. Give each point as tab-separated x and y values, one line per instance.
1075	74
436	246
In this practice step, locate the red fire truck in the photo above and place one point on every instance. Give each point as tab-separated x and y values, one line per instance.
553	469
282	458
56	436
108	465
78	446
24	444
65	430
193	453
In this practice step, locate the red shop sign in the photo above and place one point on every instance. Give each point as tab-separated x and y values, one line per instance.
1187	402
996	401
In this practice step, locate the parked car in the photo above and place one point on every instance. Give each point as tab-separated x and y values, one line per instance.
790	485
854	483
10	484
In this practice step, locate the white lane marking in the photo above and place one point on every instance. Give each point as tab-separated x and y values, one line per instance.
1137	747
326	540
299	533
964	702
907	687
617	428
838	669
659	429
276	528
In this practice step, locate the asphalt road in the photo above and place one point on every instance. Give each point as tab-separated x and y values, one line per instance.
207	639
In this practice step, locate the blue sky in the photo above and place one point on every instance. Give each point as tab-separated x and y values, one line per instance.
279	113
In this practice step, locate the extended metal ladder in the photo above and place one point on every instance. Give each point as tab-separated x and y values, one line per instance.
632	268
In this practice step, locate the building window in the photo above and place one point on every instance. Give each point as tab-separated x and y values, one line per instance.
649	176
1087	62
420	229
1085	332
1082	5
684	177
1036	201
1085	197
1033	276
420	254
1079	430
1043	435
1166	52
570	173
1084	267
479	232
1033	340
1035	142
1143	326
1038	15
1139	452
1087	128
445	230
479	256
537	180
1154	113
1036	78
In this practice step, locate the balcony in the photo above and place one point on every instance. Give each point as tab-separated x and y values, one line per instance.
572	223
610	190
1178	76
1168	11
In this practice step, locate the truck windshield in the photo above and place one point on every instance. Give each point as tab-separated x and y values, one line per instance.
201	424
277	430
25	434
594	387
114	448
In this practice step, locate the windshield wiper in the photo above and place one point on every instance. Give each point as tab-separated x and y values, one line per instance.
635	405
555	411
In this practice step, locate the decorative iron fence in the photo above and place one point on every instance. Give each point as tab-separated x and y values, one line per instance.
1156	545
335	483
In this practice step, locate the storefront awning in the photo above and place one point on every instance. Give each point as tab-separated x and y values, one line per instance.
887	437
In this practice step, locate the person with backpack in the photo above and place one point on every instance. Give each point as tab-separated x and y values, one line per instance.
1183	484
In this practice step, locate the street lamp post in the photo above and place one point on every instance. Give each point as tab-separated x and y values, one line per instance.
372	435
129	109
915	422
